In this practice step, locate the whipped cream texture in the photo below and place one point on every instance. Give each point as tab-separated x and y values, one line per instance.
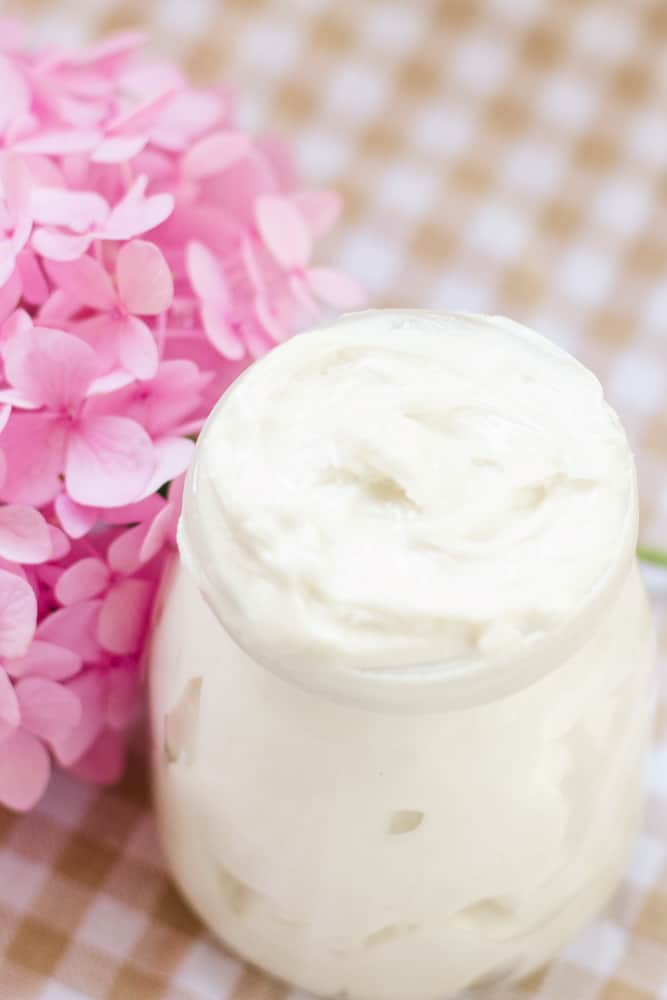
405	487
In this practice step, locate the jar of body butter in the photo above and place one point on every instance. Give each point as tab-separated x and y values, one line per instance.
401	676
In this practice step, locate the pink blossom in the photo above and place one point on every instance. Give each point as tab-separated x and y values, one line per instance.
124	601
88	217
104	459
142	286
24	535
191	113
109	698
216	310
285	234
32	709
25	768
128	132
149	248
42	712
77	520
45	659
168	404
215	153
139	544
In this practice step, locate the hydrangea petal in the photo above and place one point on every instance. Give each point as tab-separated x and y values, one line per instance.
11	291
104	761
59	142
76	519
320	209
269	321
45	659
145	284
25	768
105	384
160	530
173	457
18	614
7	260
335	288
206	275
16	97
24	534
109	461
48	709
139	511
60	543
215	153
137	348
55	245
77	210
124	616
85	281
17	322
118	148
16	185
189	114
123	554
143	116
135	213
75	628
34	286
82	580
90	688
50	367
124	701
34	448
283	230
10	714
219	332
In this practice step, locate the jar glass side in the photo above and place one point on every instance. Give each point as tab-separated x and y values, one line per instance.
385	854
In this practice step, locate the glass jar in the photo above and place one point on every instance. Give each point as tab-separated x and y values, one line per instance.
402	830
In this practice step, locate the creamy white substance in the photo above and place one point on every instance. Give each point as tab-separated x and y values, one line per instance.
405	488
400	755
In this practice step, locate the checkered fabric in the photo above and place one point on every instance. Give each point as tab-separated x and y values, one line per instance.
495	155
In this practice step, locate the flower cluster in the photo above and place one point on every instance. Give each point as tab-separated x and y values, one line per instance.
149	249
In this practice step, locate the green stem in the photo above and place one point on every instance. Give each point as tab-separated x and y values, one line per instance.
648	554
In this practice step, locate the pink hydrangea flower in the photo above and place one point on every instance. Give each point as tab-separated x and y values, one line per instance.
142	285
74	219
41	712
149	249
104	459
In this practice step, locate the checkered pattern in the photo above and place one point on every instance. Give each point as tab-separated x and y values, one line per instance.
500	155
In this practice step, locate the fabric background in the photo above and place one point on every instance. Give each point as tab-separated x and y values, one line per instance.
497	155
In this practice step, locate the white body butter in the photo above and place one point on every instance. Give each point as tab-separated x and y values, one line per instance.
401	679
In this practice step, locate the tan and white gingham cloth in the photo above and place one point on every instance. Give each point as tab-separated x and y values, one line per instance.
499	155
